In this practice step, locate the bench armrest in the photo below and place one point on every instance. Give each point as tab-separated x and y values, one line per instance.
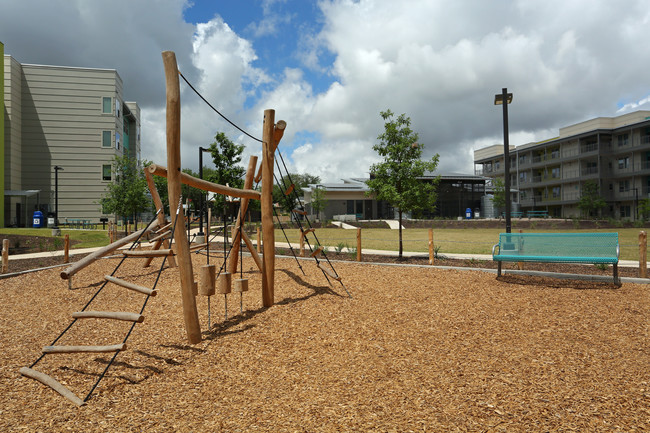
494	247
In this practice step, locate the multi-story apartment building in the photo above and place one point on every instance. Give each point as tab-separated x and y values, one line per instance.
68	117
548	175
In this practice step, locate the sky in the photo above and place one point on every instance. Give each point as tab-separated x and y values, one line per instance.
328	68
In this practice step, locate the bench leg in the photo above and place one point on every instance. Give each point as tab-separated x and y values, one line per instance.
617	280
498	268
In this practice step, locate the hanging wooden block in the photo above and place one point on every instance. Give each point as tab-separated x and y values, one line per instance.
290	189
195	288
207	280
225	282
241	285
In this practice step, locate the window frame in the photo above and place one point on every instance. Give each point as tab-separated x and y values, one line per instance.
110	171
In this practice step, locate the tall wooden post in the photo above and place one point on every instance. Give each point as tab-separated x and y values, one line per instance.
358	244
268	263
431	250
66	249
5	256
643	247
190	314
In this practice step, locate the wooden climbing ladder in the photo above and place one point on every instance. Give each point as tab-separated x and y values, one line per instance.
86	313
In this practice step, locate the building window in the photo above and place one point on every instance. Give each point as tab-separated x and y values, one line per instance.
555	153
555	172
625	212
117	108
107	105
107	137
522	159
118	139
523	176
624	186
623	163
106	172
623	140
556	192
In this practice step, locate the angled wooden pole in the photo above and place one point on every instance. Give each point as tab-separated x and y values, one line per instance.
268	260
173	120
160	218
243	207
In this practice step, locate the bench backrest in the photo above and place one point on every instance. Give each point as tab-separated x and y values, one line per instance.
559	244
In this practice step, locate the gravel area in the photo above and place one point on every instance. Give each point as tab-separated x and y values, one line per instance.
415	349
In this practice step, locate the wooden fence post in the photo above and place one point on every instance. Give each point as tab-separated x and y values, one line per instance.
643	246
5	256
259	241
431	250
358	244
66	249
520	265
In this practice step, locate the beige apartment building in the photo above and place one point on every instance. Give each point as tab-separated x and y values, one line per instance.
73	118
548	175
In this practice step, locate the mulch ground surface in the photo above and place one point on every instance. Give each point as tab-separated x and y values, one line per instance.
415	349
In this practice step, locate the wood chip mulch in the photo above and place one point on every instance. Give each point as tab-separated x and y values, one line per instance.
416	349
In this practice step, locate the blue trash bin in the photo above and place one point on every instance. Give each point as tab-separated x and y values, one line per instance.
38	219
468	213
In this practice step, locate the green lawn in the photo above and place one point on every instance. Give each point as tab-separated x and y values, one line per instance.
474	241
86	238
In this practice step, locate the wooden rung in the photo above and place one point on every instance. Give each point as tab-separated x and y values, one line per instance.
290	189
130	286
52	383
163	228
198	246
317	252
304	232
84	349
300	212
329	272
116	315
148	253
161	236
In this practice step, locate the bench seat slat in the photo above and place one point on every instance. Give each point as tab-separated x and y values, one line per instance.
553	259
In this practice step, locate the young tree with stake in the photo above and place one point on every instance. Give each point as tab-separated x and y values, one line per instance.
397	179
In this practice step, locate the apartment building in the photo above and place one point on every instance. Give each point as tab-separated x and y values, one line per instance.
548	175
73	118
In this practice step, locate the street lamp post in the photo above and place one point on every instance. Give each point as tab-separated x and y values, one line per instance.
504	99
200	236
55	229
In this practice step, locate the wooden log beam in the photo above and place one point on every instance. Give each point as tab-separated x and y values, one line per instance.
115	315
90	258
84	349
52	383
148	253
173	130
131	286
195	182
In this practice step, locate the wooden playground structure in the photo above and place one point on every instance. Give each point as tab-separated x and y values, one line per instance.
173	244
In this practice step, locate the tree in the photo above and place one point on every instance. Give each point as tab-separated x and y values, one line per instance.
396	178
644	208
318	201
300	181
590	200
226	156
126	195
499	194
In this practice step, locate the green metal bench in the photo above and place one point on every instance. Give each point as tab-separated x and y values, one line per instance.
593	248
537	214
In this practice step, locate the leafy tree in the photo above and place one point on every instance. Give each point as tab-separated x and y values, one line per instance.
226	156
318	201
644	208
590	200
289	202
126	195
499	190
395	179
